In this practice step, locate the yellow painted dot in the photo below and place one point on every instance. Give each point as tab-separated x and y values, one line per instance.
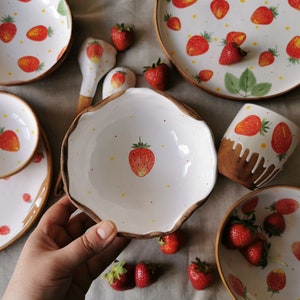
9	73
257	27
189	35
287	28
216	39
18	162
251	67
163	145
21	42
194	16
218	89
49	51
254	44
168	186
248	107
89	193
280	77
112	158
5	116
17	130
226	25
193	62
15	14
242	1
153	221
43	11
172	52
123	195
263	146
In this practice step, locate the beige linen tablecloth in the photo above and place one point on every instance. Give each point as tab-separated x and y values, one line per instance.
54	99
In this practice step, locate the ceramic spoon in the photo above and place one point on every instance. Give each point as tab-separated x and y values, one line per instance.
96	58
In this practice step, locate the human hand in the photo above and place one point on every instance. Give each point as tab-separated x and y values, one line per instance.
61	257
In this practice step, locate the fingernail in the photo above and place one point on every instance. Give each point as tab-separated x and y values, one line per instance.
106	229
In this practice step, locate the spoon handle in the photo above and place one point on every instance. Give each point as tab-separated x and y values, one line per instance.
83	103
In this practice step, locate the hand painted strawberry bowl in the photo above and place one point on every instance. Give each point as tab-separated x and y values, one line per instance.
141	159
35	37
264	264
19	134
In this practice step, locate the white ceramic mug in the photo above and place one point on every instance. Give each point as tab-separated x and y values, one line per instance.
256	146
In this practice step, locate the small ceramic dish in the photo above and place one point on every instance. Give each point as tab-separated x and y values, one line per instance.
141	159
280	275
19	134
35	37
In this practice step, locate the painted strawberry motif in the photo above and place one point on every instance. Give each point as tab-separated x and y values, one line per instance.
183	3
293	49
237	285
252	125
118	79
9	140
282	139
231	53
39	33
198	44
296	249
94	52
8	29
219	8
295	4
237	37
250	205
286	206
264	15
27	198
204	76
276	280
38	157
30	64
267	57
173	22
141	159
4	230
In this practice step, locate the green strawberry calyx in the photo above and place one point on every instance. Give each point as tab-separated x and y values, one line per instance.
202	266
140	145
264	126
117	269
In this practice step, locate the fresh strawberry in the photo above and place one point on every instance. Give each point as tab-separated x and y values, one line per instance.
267	57
264	15
295	4
8	29
157	75
201	274
257	252
39	33
282	139
173	242
286	206
122	36
146	274
183	3
296	249
121	276
198	44
274	224
219	8
250	205
252	125
173	22
9	141
141	159
276	280
235	37
204	76
232	53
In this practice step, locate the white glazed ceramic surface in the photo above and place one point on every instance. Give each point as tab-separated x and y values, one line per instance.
19	134
180	159
34	35
179	21
24	195
244	281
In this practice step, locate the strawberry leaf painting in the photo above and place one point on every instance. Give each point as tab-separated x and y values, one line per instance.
246	85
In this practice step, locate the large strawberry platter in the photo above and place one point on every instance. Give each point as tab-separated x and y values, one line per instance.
233	49
258	245
35	37
141	159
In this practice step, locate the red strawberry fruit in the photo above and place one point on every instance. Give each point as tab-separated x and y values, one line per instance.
146	274
219	8
121	276
39	33
201	274
267	57
282	139
274	224
30	64
237	37
141	159
172	22
264	15
183	3
157	75
232	53
198	44
9	141
286	206
250	205
296	249
252	125
276	280
94	52
257	252
122	36
295	4
8	29
293	49
173	242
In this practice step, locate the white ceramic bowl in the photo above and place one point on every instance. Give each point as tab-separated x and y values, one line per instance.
245	281
19	134
98	155
35	37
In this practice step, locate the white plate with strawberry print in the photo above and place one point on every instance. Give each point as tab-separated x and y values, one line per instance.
141	159
193	34
279	278
24	195
35	37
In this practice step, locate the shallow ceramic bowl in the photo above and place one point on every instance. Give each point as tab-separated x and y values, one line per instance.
245	281
141	159
19	134
35	37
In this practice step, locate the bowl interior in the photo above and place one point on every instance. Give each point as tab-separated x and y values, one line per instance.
34	36
107	167
19	134
244	280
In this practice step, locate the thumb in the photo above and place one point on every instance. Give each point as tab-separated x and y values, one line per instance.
96	239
